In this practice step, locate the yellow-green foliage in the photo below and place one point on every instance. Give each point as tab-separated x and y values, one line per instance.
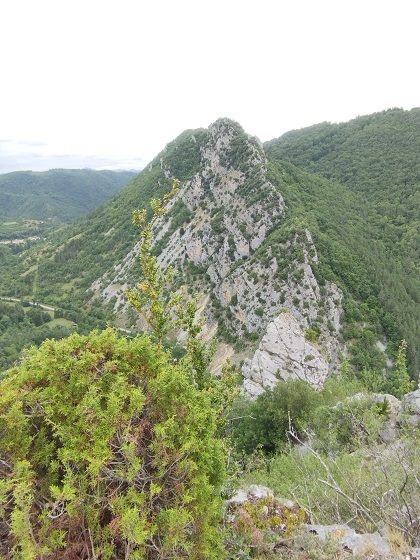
107	450
265	513
259	523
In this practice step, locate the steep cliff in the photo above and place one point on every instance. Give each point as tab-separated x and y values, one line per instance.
222	233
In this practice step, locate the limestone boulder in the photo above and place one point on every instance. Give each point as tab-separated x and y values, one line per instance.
284	353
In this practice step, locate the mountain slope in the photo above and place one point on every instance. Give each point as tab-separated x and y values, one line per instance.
283	259
71	259
358	152
61	195
376	157
220	232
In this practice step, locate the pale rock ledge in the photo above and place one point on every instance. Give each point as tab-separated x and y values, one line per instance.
283	353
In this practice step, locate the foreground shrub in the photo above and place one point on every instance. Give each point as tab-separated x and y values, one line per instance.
107	450
265	423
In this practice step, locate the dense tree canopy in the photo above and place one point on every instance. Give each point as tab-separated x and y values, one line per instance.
61	195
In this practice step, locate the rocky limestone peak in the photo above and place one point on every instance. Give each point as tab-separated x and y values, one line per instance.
232	202
225	232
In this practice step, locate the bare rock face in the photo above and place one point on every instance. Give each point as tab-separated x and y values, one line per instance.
411	406
232	249
352	541
411	402
284	353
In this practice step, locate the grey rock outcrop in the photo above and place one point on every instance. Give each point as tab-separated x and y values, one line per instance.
266	507
284	353
389	431
411	406
357	543
254	491
411	402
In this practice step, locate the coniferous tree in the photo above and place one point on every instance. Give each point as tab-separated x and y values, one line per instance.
399	382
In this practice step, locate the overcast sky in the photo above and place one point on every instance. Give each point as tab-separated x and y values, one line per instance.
106	84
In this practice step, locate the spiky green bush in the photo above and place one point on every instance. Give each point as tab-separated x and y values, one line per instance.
107	451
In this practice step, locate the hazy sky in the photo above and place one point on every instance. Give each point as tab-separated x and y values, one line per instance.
106	84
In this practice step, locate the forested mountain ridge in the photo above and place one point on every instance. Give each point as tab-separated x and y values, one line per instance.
356	153
60	195
377	157
271	248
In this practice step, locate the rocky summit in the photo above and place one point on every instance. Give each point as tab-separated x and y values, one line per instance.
256	291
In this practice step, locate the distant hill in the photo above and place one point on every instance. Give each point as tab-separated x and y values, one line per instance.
60	195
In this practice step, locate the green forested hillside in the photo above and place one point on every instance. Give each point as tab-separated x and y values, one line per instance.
61	270
376	155
381	292
61	195
373	161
